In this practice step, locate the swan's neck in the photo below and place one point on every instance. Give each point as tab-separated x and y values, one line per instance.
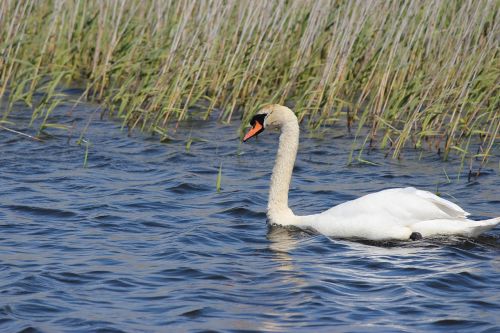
277	208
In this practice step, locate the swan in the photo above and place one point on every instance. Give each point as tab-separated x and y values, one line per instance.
391	214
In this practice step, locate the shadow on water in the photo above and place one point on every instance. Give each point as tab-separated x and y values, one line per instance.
139	240
287	234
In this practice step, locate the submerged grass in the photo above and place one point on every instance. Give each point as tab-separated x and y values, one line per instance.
420	73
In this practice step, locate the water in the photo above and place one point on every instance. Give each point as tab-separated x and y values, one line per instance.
139	241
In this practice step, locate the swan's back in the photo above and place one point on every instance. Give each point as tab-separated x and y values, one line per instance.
404	205
391	213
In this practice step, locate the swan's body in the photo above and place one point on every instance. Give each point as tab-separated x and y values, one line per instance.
397	213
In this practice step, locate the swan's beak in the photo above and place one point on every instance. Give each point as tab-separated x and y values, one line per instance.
256	129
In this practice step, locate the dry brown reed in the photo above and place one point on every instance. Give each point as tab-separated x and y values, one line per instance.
419	73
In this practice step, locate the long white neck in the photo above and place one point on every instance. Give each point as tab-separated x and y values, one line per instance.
277	208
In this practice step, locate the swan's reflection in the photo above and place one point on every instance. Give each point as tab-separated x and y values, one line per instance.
282	243
282	240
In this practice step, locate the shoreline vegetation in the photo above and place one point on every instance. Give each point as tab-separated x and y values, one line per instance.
421	74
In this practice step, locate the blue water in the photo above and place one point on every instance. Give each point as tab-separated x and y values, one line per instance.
140	241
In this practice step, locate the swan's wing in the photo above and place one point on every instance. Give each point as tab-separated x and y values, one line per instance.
403	206
446	206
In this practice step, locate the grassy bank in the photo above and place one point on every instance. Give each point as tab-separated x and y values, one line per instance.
416	73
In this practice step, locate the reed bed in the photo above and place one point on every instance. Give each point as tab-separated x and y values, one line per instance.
414	73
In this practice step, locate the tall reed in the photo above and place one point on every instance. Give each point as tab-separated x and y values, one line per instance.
420	73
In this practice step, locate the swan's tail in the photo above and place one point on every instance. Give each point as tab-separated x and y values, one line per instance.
463	227
479	227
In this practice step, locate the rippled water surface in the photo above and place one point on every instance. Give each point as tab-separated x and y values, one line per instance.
140	241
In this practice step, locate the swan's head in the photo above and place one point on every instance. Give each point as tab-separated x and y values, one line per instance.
272	116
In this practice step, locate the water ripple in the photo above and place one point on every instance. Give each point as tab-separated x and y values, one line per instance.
140	241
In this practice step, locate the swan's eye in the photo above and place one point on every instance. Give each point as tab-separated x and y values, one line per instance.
258	118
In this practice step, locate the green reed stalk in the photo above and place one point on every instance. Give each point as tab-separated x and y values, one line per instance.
421	74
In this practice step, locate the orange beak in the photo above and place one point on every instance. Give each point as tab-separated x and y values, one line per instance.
256	129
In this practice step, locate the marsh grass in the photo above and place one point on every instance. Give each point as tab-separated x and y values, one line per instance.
218	182
423	74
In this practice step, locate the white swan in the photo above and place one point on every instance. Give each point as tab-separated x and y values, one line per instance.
398	213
